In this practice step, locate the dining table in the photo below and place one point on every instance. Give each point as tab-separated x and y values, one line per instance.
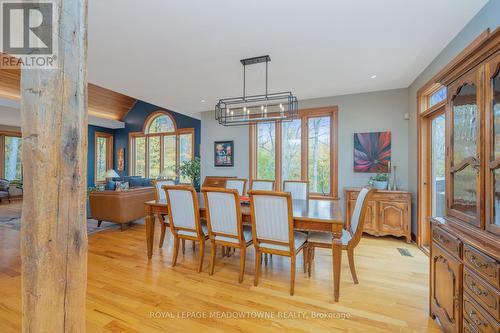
308	215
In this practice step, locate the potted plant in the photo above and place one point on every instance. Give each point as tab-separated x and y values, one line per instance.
380	181
191	170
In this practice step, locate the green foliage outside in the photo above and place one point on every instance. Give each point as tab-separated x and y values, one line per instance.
318	156
12	168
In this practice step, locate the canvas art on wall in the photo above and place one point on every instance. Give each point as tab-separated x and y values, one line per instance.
121	159
224	153
372	152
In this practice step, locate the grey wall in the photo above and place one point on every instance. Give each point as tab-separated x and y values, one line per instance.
367	112
211	131
488	17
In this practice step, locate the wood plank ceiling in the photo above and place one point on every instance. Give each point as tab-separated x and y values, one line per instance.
102	102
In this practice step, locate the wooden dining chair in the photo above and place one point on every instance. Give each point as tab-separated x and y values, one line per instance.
184	218
160	195
262	185
351	235
298	188
238	184
272	229
225	228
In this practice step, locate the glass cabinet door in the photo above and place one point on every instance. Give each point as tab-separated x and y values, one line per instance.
492	128
464	112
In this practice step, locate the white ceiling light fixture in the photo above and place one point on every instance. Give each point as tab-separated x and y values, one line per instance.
373	77
245	110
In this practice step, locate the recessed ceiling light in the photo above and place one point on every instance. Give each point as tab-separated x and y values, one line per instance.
203	101
373	76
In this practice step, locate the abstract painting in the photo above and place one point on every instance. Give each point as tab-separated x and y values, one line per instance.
372	152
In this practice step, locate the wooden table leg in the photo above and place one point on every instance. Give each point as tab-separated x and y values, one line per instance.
337	261
150	230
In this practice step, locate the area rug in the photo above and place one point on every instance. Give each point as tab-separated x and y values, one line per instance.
14	222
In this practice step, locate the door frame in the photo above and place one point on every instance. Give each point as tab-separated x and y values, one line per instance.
424	193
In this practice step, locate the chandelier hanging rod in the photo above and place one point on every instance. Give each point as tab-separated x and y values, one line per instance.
253	61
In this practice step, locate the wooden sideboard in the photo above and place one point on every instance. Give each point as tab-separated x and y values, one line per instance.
389	212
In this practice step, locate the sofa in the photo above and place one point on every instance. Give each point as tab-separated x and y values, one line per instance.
119	207
4	189
133	181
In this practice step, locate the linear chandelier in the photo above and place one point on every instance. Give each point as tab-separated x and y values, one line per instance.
246	110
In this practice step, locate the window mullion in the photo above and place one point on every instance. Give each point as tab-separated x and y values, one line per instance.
277	153
162	158
146	157
303	148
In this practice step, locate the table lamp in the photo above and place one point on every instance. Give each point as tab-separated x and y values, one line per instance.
110	174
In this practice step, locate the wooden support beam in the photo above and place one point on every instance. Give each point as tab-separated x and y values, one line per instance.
53	228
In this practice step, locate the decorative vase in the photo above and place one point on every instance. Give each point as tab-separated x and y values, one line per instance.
380	185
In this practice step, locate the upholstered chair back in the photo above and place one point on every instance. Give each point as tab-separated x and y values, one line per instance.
261	185
222	209
158	184
298	189
271	212
237	184
181	206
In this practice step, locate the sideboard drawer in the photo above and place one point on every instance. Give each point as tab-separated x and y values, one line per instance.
467	327
478	318
487	267
482	292
447	241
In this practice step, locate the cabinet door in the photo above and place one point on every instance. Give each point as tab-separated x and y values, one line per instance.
393	217
465	179
492	130
446	276
370	225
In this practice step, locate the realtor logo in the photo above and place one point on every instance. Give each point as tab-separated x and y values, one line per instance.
28	31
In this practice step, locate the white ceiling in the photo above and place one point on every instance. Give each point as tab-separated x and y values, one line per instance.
176	53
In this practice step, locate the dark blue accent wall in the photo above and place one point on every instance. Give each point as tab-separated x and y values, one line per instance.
91	151
134	122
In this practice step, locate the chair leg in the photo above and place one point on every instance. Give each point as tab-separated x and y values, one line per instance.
310	260
292	274
242	263
162	235
121	226
202	255
305	252
350	256
183	246
194	246
176	251
99	224
258	258
265	259
213	251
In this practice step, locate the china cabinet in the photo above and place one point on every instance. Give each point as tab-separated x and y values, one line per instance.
465	247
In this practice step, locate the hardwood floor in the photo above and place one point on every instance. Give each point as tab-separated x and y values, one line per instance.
127	293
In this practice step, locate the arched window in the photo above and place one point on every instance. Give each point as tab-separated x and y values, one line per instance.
161	123
160	148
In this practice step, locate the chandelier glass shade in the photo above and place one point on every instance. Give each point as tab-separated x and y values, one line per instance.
245	110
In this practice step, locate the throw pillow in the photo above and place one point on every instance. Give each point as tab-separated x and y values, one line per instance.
110	186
